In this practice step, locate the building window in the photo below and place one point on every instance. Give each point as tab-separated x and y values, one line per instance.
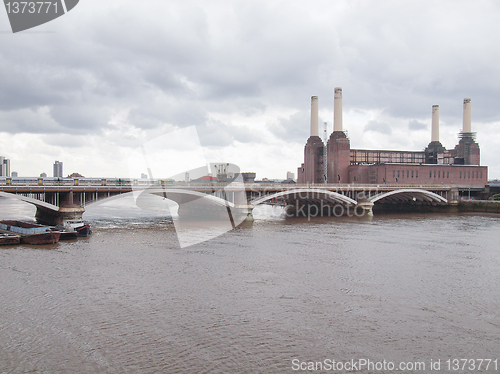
468	174
407	174
477	174
394	173
460	175
434	173
447	174
430	174
439	174
398	173
412	173
416	174
481	175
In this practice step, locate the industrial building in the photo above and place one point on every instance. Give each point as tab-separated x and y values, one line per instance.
435	165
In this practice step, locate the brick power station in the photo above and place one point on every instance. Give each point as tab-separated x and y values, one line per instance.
435	165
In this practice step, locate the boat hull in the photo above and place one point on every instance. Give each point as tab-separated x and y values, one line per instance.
83	230
50	237
9	239
68	235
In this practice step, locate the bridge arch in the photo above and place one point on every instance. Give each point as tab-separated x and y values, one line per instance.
407	194
311	194
36	202
182	196
177	195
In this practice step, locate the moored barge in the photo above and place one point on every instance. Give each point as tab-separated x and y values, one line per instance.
31	233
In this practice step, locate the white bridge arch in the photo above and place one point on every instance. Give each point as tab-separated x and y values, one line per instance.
177	195
183	196
311	194
36	202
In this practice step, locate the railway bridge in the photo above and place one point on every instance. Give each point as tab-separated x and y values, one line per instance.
67	198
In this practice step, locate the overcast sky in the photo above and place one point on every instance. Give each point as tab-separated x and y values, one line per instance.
92	86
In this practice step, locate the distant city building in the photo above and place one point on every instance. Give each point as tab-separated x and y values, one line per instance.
290	176
76	175
144	175
43	175
4	167
14	174
186	177
58	169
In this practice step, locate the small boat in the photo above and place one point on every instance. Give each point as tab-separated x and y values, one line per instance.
65	234
8	238
78	226
31	233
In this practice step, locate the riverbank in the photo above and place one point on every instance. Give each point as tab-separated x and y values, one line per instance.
463	206
479	206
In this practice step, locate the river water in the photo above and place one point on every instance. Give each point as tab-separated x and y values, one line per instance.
269	297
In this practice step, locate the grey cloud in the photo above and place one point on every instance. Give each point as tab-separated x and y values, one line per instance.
35	121
81	119
175	63
215	133
416	125
380	127
295	128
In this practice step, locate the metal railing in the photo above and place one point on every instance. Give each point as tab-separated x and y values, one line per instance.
145	183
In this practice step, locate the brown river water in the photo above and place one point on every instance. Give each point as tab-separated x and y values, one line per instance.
275	296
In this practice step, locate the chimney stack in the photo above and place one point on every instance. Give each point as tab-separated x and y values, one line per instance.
467	117
314	116
435	123
337	109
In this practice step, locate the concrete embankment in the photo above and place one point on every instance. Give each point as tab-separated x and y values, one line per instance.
464	206
480	206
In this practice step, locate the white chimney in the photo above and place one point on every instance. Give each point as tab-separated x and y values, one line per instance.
314	116
435	123
467	116
337	110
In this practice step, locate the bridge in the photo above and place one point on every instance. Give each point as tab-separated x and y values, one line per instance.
60	199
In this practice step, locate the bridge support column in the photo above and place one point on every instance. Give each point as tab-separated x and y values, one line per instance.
53	218
367	207
244	212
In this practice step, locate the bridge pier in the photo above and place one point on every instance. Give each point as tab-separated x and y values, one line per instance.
67	210
367	207
244	212
195	211
53	218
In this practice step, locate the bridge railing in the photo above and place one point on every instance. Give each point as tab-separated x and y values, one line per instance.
7	181
143	183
